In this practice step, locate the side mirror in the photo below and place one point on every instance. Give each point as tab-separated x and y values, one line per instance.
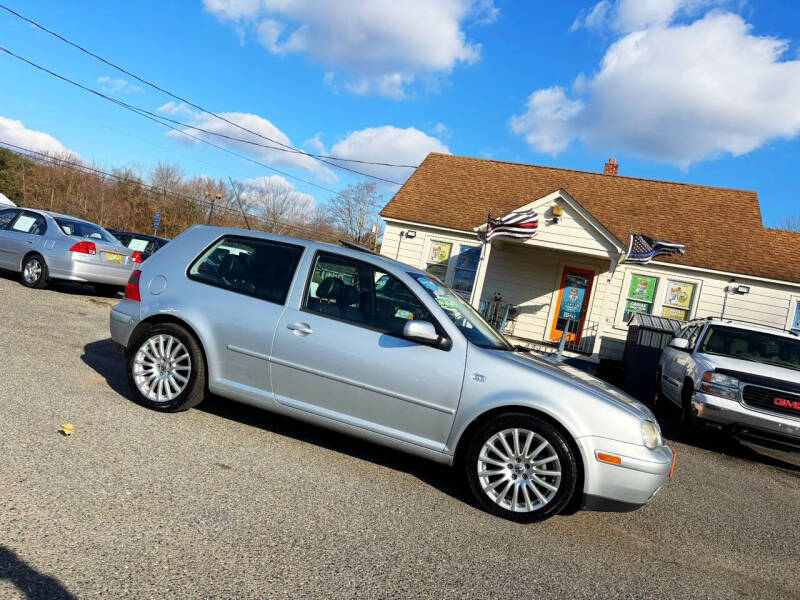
679	343
423	332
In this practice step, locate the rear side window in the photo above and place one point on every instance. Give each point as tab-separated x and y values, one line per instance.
260	268
30	223
83	229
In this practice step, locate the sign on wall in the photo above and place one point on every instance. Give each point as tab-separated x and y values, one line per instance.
641	295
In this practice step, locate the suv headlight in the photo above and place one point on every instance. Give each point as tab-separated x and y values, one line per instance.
719	384
651	434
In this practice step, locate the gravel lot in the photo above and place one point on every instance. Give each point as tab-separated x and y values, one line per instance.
229	501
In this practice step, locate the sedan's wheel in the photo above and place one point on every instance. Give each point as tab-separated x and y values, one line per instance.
166	370
34	272
520	467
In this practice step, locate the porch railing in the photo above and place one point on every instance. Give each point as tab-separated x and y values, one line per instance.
502	316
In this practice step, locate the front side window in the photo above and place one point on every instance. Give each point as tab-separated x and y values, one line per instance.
640	297
466	318
6	217
359	293
251	266
756	346
82	229
678	300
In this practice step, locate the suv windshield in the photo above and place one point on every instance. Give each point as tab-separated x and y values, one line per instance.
466	318
757	346
85	230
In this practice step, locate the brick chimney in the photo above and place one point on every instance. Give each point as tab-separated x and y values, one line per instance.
611	167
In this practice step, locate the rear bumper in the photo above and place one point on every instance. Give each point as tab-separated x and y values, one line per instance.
626	486
92	272
121	322
755	425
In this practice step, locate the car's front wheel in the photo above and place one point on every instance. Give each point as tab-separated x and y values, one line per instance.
520	467
34	272
166	369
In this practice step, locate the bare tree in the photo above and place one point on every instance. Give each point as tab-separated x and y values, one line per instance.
354	211
279	207
790	222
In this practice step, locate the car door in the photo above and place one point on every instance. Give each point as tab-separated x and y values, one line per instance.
240	285
674	368
23	235
7	217
339	353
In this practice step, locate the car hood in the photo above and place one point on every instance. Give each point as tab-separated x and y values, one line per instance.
750	366
581	379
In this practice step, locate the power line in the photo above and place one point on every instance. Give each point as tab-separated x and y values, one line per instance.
42	157
322	157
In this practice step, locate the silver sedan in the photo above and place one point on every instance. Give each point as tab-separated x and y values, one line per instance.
352	341
43	245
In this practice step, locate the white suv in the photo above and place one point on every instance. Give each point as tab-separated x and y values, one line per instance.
738	377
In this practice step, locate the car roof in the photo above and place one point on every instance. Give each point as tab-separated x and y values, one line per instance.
56	215
737	324
365	254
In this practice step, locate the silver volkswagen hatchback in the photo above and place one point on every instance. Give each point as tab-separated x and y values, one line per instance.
365	345
41	246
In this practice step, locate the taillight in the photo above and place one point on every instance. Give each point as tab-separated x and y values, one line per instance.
132	289
84	247
136	256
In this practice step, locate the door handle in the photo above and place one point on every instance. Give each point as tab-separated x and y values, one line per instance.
300	328
28	241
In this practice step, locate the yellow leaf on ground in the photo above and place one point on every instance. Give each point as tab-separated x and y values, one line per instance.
67	429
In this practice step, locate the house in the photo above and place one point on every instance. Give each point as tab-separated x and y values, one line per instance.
569	277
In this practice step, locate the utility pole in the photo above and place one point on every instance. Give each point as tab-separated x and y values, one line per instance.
236	192
218	196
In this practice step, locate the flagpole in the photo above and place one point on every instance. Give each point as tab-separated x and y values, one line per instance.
480	263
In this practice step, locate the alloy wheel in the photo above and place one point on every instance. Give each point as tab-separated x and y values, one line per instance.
519	470
161	368
32	271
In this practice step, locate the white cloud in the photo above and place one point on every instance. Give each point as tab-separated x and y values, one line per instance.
276	182
387	144
678	94
114	85
258	125
625	16
176	108
14	132
381	46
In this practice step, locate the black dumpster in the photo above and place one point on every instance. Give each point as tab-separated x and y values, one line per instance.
647	336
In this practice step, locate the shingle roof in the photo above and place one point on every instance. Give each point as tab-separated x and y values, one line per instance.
720	227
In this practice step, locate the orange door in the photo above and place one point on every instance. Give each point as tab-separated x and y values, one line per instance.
573	303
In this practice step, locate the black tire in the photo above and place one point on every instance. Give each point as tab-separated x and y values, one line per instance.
566	457
688	422
36	263
106	289
194	391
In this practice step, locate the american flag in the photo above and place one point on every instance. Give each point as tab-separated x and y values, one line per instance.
520	225
642	249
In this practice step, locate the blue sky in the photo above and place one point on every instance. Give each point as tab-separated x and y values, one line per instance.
702	91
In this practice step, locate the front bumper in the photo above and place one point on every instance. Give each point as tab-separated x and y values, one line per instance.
625	486
753	424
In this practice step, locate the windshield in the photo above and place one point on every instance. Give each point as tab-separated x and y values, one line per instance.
85	230
466	318
756	346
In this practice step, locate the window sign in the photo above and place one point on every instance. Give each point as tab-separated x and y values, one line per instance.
641	294
572	297
796	321
438	257
678	300
24	224
466	267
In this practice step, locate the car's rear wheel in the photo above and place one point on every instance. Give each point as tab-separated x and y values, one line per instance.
520	467
34	272
166	369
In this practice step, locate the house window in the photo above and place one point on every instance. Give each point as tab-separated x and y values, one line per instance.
454	264
438	259
641	295
796	319
678	300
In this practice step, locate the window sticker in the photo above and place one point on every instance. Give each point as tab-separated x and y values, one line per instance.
426	283
139	245
404	314
24	223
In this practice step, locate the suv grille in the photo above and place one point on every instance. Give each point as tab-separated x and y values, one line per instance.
772	400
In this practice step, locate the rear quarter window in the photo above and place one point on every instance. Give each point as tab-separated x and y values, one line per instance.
251	266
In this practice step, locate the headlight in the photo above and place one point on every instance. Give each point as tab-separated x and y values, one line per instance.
651	434
719	384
